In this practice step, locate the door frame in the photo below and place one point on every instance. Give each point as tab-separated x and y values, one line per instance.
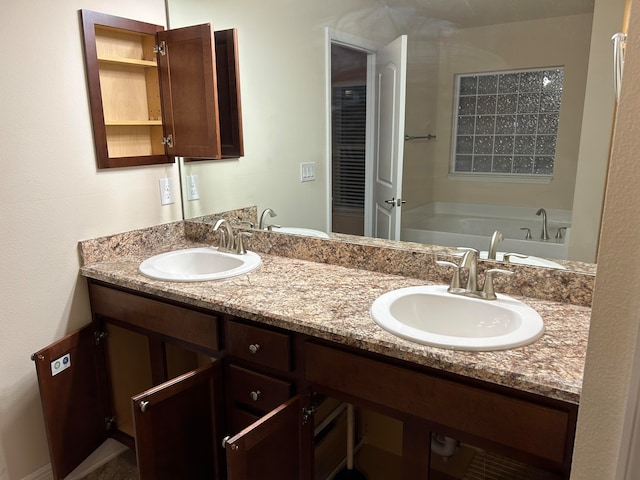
333	36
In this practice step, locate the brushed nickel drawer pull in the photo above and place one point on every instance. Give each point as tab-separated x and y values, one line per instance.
144	405
254	347
255	395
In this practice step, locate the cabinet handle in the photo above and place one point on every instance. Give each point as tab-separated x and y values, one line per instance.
255	395
225	442
144	405
254	347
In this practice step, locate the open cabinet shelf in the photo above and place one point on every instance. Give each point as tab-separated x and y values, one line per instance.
127	61
156	94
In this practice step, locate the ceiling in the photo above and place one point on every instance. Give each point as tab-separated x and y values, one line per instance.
474	13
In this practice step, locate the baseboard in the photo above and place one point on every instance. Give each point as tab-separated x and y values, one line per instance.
105	452
43	473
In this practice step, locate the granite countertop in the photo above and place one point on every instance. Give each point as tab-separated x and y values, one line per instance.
332	302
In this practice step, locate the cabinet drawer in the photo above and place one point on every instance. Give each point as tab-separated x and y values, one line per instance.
256	390
258	345
155	316
537	429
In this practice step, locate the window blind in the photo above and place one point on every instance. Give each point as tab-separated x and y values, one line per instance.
348	146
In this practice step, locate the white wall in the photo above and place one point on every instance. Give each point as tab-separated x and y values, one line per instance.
51	197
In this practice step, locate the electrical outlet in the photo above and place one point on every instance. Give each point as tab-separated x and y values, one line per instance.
166	191
308	172
193	187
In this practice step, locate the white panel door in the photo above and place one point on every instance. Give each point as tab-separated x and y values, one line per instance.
391	80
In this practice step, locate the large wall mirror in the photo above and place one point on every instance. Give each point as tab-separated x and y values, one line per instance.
285	56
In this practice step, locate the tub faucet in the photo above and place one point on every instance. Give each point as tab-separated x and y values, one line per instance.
496	238
545	233
263	216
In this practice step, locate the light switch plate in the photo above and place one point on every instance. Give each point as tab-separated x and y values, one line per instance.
308	172
193	187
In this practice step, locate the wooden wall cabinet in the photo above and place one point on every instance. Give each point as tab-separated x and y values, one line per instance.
178	383
156	94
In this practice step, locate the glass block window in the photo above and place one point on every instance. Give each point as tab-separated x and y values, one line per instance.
507	122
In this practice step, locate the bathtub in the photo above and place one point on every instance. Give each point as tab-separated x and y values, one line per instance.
470	225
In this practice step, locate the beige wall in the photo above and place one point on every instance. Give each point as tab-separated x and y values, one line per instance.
578	42
531	44
279	134
595	138
584	139
608	401
284	126
51	197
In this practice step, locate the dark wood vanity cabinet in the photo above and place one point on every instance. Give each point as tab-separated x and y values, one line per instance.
536	430
178	383
145	372
156	94
258	372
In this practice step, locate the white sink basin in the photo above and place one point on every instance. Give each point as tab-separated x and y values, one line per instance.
309	232
530	260
432	316
198	265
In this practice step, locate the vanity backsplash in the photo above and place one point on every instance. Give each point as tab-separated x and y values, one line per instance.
407	259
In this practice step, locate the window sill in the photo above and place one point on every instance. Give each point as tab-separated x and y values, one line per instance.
500	178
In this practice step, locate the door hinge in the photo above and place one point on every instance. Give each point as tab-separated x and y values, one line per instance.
110	423
307	413
99	337
161	48
168	141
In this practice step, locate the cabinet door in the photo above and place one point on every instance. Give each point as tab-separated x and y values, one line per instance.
277	446
73	390
176	426
124	96
189	91
229	107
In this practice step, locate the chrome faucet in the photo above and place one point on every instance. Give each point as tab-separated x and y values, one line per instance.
545	233
496	238
470	262
263	216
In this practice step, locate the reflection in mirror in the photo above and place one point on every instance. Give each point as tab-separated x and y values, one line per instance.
284	65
